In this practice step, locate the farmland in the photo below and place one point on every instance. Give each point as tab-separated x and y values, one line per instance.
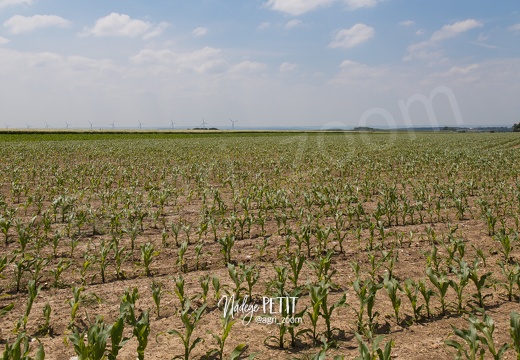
384	241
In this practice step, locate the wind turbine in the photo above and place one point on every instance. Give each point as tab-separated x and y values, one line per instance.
233	123
203	124
6	125
28	127
91	123
112	123
171	124
67	125
46	125
140	124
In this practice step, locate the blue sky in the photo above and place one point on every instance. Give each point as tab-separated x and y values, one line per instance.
263	63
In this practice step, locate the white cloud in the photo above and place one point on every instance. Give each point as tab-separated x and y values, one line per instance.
3	41
419	32
23	24
264	26
463	70
358	4
293	23
297	7
449	31
6	3
428	50
287	67
349	38
407	23
515	27
200	31
156	31
199	61
248	66
121	25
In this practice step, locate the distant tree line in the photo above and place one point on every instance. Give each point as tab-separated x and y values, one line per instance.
516	127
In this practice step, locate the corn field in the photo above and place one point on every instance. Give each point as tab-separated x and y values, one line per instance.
379	246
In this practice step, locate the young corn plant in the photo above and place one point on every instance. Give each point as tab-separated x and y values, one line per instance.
481	282
60	268
46	328
290	319
227	242
411	288
392	287
238	278
427	294
32	291
512	275
441	282
142	332
373	351
322	267
215	282
74	304
251	275
366	291
204	284
296	262
20	349
462	273
472	340
507	242
180	257
486	327
478	337
156	295
227	324
148	253
190	319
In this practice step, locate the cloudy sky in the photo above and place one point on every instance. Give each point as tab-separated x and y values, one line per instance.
263	63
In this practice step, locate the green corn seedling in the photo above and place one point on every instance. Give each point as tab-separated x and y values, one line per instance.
215	282
148	253
20	349
511	273
156	295
32	291
238	278
486	327
296	262
190	319
60	268
392	286
427	294
251	274
204	284
411	288
46	328
227	242
481	282
227	324
141	332
462	273
472	340
373	351
180	257
74	304
441	282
